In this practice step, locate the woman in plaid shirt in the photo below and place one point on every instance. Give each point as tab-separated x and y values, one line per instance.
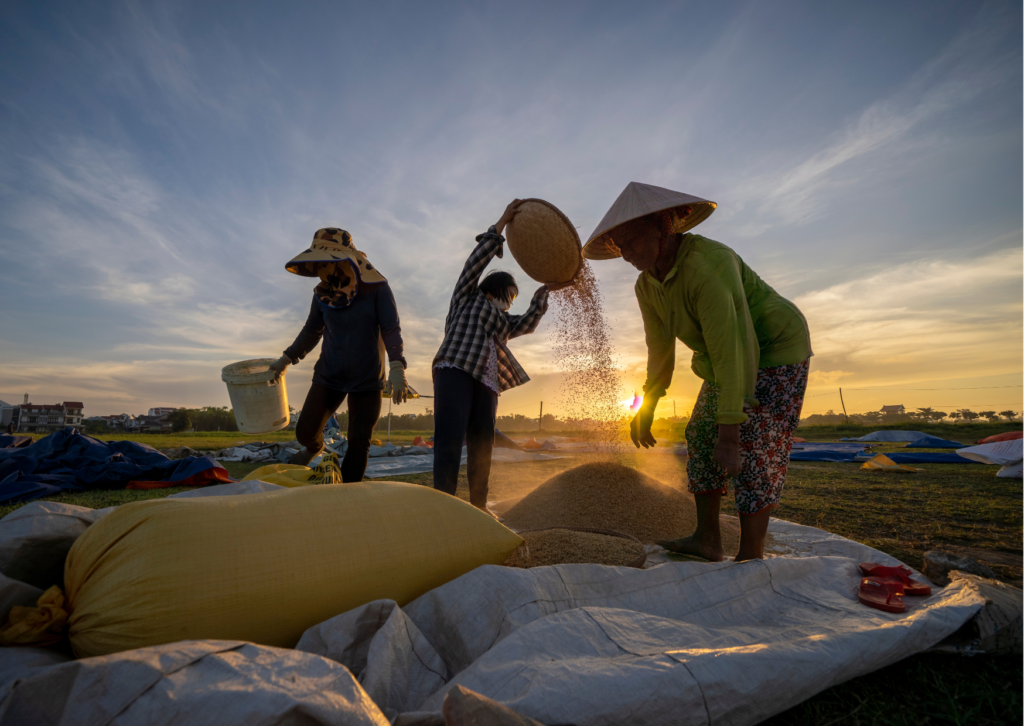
473	365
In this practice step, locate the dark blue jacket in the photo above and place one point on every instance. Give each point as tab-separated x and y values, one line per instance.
354	340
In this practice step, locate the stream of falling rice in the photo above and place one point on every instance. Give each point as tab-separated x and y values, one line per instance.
590	388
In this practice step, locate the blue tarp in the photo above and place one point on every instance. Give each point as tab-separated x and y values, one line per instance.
825	451
890	436
68	461
933	442
11	442
925	457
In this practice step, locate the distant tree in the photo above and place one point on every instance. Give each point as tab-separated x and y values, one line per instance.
956	415
1008	415
967	414
990	415
938	415
180	420
925	414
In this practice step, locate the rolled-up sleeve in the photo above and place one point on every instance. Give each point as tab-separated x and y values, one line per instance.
390	327
309	336
730	337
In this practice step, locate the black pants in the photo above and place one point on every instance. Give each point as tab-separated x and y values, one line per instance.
363	412
464	408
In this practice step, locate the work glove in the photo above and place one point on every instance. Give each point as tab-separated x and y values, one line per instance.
640	426
398	387
279	365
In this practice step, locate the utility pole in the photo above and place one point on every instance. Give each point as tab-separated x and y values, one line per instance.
540	420
844	405
673	408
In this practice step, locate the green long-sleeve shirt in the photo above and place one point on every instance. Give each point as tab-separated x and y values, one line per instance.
733	321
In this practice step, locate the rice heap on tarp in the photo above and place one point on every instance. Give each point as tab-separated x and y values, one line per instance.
605	495
565	547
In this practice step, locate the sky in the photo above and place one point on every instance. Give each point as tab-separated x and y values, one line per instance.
160	162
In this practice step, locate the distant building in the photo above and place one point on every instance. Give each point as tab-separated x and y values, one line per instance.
161	411
73	413
893	410
8	415
142	424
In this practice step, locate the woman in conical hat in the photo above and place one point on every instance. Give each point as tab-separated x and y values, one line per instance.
750	345
354	312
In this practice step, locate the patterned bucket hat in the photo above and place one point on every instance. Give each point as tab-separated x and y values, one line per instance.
638	200
333	245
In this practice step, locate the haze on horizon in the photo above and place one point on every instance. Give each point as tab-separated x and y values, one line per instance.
160	162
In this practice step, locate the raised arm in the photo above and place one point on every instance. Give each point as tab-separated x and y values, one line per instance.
527	322
490	244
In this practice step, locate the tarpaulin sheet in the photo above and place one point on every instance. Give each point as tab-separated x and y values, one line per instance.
67	460
14	442
926	457
680	643
934	442
825	451
890	436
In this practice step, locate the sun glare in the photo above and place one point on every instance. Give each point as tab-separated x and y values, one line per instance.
633	403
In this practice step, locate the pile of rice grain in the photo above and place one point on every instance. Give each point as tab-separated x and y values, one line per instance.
605	495
564	547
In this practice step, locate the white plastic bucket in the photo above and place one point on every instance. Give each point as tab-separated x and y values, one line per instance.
260	402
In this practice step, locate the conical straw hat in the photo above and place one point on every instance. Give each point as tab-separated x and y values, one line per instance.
638	200
544	242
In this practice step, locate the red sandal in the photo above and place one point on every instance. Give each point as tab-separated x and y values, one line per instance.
887	596
902	573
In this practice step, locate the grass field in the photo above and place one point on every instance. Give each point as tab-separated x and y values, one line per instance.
962	508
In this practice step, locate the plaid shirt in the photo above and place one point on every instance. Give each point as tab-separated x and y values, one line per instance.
473	321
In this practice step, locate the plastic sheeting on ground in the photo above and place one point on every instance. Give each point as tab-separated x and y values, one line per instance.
213	682
889	436
825	451
1007	453
69	461
1008	436
680	643
933	442
924	457
14	442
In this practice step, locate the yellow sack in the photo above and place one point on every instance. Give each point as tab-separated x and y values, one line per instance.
881	462
41	625
265	567
328	471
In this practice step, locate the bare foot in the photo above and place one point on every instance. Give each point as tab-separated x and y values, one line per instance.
692	545
487	510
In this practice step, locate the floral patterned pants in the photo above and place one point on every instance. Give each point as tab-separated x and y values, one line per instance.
765	439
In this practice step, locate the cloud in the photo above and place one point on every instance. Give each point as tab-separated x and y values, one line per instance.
920	320
972	64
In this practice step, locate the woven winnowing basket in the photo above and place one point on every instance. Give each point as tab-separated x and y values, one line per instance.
544	242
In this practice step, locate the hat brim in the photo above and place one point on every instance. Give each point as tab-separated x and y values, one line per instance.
602	247
304	263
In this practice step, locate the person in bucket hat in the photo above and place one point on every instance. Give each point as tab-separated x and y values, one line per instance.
354	311
750	346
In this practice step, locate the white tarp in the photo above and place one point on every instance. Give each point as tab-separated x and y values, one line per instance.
683	642
213	682
1007	454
